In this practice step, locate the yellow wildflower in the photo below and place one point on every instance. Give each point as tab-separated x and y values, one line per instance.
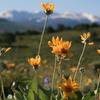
35	62
98	51
48	8
85	37
89	82
60	47
68	87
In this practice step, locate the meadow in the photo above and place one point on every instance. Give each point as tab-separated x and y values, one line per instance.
26	46
63	65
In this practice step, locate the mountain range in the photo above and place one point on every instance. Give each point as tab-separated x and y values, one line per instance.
11	21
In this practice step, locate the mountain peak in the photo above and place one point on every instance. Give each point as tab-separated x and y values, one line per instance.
36	19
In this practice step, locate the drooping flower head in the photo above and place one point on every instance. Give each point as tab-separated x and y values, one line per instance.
59	47
48	8
4	50
35	62
98	51
68	87
85	37
9	65
89	82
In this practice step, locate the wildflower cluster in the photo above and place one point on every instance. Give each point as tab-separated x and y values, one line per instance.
67	87
62	86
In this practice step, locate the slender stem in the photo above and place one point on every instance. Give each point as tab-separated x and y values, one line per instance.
13	90
36	74
60	69
98	82
41	39
0	97
60	77
79	62
58	92
53	77
2	88
23	93
82	98
81	77
15	96
1	80
97	85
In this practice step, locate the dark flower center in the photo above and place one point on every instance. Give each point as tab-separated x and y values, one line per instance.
69	89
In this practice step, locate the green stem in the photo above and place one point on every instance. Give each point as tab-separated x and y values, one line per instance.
36	74
53	77
57	94
0	97
81	77
82	98
60	69
98	82
43	31
97	86
59	77
79	62
23	93
2	88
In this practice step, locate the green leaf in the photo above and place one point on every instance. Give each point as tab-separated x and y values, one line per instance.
89	96
37	92
42	95
79	95
19	95
34	85
45	91
32	93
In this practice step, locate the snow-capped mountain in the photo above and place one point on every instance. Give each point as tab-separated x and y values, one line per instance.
36	19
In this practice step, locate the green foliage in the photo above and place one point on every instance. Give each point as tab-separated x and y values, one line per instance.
36	93
89	96
19	95
32	94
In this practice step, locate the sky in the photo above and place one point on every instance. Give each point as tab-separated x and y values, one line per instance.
79	6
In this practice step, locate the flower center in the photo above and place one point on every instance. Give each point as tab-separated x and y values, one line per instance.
69	89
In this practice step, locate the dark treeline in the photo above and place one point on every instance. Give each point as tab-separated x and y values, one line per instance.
77	27
50	29
9	37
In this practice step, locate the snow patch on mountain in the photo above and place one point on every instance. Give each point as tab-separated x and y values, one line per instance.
37	18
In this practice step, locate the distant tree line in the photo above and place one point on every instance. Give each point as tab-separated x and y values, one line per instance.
9	37
62	27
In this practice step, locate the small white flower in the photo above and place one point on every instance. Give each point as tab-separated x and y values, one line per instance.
13	84
27	87
9	96
95	91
